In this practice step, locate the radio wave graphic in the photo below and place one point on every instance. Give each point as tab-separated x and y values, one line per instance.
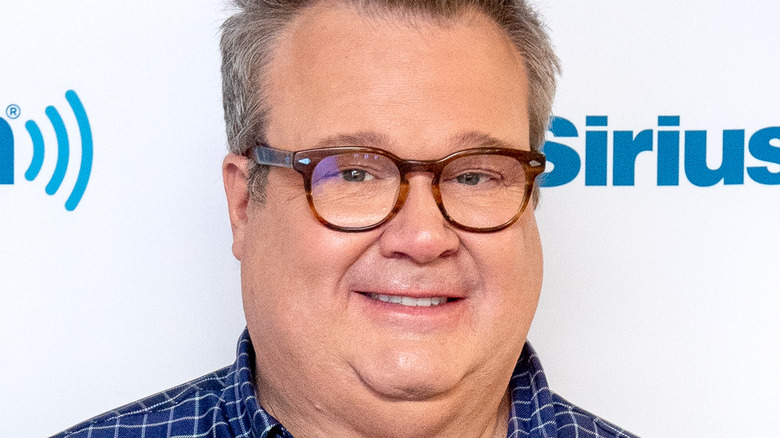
63	151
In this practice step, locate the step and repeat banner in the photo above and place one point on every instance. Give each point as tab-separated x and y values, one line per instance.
660	211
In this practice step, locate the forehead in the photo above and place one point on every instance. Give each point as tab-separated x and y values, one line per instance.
339	70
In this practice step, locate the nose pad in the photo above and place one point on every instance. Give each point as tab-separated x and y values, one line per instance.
419	230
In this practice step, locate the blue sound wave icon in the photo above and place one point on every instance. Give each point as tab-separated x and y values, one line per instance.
63	151
6	153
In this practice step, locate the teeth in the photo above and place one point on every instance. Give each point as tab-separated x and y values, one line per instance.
409	301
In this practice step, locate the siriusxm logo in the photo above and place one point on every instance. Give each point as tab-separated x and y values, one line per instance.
63	149
763	145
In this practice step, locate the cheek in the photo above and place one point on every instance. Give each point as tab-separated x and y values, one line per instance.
528	268
291	282
514	257
512	263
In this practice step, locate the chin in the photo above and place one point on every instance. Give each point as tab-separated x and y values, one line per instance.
410	375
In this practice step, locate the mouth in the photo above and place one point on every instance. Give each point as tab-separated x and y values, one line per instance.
409	301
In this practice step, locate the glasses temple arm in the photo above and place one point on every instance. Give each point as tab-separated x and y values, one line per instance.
272	157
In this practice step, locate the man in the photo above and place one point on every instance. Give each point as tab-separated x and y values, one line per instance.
390	259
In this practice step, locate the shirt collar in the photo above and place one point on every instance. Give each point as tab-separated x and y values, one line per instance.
533	413
253	417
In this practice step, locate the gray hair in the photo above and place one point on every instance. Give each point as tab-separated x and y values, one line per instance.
247	47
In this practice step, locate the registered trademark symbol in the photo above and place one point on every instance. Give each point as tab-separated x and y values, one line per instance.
13	111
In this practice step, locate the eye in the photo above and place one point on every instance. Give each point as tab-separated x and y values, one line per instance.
356	175
473	178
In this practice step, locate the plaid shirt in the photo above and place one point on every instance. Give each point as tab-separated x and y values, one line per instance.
224	405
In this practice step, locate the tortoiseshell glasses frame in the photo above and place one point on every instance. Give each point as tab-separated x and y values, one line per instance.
508	173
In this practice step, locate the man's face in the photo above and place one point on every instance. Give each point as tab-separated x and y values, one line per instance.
421	91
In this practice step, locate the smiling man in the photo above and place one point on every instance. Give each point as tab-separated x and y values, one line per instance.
380	188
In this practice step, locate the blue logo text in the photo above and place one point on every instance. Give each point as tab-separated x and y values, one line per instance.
665	143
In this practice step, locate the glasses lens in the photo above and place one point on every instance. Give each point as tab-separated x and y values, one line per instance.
483	191
355	189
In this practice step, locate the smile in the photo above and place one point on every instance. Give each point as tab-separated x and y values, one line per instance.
409	301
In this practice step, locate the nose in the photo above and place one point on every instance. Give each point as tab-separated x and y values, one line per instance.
419	231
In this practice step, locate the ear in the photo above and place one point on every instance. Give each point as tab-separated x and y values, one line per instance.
234	176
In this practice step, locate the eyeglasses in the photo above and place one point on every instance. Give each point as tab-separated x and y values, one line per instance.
360	188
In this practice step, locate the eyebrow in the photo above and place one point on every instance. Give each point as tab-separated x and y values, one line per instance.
476	139
465	140
363	138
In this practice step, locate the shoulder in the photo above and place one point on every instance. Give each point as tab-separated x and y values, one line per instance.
189	409
574	421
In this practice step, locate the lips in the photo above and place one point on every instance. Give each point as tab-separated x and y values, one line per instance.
420	310
412	292
408	301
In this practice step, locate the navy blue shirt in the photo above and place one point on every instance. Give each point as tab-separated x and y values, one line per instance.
224	405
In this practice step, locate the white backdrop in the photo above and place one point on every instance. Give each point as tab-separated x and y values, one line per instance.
659	303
